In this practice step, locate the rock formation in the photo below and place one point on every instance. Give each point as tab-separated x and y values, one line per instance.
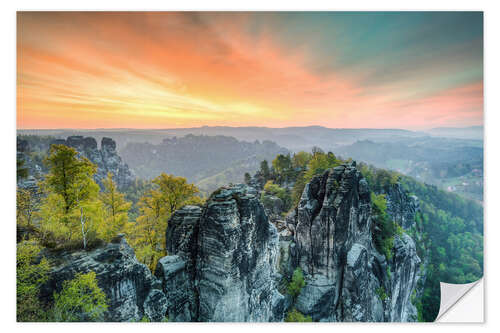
346	278
401	207
132	291
106	159
225	259
222	262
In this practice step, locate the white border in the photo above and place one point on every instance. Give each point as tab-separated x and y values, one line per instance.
492	170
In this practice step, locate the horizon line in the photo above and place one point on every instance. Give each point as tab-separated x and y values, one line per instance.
235	127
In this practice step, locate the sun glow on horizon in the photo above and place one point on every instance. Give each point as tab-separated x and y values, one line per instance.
171	70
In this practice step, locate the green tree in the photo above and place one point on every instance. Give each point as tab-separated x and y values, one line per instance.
70	176
297	283
168	194
80	299
22	172
115	209
27	204
294	316
282	166
264	170
301	159
384	228
70	207
319	163
31	274
275	190
247	178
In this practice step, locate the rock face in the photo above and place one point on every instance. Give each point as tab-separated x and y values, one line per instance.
223	261
34	169
106	159
132	291
401	207
346	278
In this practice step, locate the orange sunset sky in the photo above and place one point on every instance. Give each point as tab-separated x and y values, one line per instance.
170	70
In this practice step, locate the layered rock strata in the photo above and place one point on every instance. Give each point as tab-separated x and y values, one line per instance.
346	278
222	262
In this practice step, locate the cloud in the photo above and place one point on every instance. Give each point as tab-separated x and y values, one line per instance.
157	70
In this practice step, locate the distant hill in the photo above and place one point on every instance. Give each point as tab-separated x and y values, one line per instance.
292	138
472	132
455	165
208	161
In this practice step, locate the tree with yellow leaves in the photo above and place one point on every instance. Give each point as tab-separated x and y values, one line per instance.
70	208
147	235
115	209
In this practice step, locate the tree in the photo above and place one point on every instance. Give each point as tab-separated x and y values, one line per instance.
175	191
319	163
168	194
300	159
27	202
22	172
70	206
80	299
384	229
248	178
282	165
264	170
297	283
31	274
70	176
275	190
115	209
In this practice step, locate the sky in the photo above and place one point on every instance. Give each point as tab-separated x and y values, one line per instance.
411	70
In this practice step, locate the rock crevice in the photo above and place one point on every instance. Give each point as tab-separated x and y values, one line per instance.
223	259
346	278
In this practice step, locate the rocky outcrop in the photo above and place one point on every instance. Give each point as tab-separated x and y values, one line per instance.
34	170
132	291
106	158
222	262
346	278
401	207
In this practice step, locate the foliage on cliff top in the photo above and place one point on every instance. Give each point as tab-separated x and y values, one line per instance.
80	299
295	316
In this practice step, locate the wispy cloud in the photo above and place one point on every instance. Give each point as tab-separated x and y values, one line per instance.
153	70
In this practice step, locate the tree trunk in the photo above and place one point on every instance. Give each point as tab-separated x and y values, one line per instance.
82	222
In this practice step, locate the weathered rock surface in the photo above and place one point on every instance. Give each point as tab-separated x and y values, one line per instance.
223	261
132	291
401	207
346	278
106	158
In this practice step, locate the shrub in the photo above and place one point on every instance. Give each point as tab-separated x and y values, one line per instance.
296	316
381	293
297	283
31	275
80	299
